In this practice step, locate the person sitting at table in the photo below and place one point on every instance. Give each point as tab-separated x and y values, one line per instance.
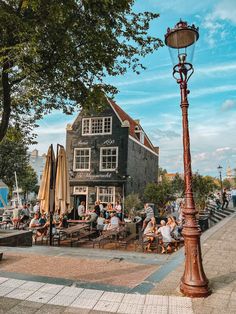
63	223
100	223
149	233
42	220
34	223
167	239
81	210
25	214
114	222
109	210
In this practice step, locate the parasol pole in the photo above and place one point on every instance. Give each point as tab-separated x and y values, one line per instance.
51	196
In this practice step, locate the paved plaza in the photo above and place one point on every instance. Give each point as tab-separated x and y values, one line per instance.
154	291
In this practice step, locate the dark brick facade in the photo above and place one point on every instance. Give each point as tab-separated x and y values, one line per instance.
137	164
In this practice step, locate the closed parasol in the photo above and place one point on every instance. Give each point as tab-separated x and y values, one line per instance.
46	190
62	190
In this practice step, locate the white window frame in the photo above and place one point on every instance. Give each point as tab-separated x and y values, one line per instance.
112	195
117	155
90	126
74	162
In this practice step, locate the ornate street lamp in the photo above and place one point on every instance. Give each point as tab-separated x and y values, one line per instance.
181	40
221	184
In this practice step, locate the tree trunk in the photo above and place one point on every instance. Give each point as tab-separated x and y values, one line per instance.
6	111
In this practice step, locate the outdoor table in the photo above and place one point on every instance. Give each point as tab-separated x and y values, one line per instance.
77	221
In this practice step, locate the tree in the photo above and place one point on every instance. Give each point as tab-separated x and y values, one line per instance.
132	204
13	157
178	185
159	194
29	181
227	184
202	187
57	54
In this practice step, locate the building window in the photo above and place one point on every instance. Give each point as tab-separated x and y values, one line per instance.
82	159
85	126
106	194
108	158
95	126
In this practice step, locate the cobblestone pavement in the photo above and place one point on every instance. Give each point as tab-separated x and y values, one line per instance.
219	261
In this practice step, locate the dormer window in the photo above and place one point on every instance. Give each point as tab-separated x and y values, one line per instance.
140	134
97	126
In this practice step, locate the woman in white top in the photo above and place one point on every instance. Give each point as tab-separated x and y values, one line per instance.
81	210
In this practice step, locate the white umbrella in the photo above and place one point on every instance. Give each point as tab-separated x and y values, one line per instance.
45	194
62	189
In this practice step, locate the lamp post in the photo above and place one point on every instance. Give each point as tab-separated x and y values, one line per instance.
125	178
180	39
221	184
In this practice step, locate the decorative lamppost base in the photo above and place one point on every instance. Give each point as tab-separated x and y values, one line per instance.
195	291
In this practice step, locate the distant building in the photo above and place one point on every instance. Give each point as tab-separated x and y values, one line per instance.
37	163
109	156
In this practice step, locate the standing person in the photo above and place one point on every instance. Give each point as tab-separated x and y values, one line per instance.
224	199
101	207
36	208
148	210
97	208
81	210
233	194
118	210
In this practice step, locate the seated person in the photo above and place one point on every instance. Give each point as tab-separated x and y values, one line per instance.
167	239
148	210
42	220
34	223
114	222
100	223
149	233
63	223
25	214
16	217
92	218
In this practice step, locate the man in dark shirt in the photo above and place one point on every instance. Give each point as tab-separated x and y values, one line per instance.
224	199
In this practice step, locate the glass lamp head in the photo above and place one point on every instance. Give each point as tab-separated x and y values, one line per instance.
181	42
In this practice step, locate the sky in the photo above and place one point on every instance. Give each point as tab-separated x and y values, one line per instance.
153	96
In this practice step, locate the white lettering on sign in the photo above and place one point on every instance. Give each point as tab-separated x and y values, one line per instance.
95	176
82	143
109	142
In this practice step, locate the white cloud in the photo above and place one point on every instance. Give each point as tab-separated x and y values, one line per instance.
194	94
226	10
222	149
228	104
216	22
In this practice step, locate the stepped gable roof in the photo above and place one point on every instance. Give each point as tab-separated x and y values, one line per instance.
125	117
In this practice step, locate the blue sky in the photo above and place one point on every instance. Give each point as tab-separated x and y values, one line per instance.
153	96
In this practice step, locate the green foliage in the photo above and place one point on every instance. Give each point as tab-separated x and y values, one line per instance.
227	184
202	187
57	54
178	185
159	194
132	201
29	181
14	158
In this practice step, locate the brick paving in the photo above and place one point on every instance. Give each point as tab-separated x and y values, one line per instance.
20	296
219	260
219	255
